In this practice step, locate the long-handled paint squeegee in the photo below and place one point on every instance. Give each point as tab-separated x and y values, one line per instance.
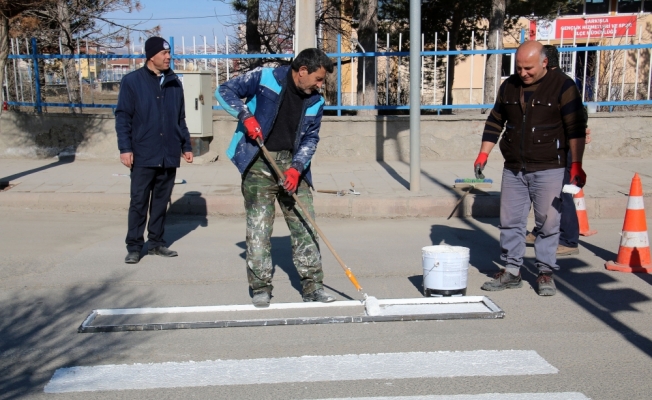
370	303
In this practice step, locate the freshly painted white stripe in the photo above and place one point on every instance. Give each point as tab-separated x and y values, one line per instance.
349	367
580	205
634	239
485	396
285	306
635	203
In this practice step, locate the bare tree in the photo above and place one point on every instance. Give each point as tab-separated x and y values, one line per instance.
367	30
494	61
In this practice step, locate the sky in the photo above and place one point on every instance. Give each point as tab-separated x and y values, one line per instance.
185	18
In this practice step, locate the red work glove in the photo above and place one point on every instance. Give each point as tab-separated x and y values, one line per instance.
254	131
291	180
577	175
479	165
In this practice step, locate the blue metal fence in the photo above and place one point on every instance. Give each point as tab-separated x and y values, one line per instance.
38	104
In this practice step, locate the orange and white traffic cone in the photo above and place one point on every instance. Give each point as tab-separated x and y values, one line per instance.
582	216
634	252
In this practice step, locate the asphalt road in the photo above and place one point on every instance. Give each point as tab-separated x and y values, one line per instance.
57	267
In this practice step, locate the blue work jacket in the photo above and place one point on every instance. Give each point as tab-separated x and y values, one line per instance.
262	90
150	119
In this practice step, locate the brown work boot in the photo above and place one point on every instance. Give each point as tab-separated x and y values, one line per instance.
546	285
567	251
529	239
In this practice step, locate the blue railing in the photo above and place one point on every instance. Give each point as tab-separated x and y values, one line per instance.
339	55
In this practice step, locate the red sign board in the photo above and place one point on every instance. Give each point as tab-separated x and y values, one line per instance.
597	26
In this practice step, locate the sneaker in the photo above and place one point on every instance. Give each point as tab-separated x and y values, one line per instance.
529	239
162	251
132	257
319	295
546	285
261	299
503	280
567	251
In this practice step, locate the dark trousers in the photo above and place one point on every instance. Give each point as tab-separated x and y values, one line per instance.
151	189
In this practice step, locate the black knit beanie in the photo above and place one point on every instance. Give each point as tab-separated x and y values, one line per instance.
154	45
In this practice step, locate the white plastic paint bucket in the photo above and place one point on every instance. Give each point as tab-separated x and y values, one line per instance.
445	270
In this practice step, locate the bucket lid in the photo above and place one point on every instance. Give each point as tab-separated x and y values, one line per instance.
444	248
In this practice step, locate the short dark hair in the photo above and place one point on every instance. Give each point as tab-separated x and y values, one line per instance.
313	59
553	55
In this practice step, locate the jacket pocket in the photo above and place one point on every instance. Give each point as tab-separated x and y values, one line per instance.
544	134
545	143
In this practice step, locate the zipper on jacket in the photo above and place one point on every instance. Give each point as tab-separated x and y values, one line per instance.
297	134
523	164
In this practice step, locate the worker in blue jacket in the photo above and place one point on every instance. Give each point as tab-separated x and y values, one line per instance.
282	107
150	121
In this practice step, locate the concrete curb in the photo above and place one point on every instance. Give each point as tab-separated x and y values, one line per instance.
325	205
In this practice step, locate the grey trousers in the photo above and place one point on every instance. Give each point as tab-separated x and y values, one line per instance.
519	189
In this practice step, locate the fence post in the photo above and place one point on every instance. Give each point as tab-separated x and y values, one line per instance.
37	80
172	52
339	74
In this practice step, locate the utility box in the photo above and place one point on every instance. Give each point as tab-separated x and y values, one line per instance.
198	97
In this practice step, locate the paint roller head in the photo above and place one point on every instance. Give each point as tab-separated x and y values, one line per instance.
371	305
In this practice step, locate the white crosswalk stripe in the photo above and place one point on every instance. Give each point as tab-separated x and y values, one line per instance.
486	396
299	369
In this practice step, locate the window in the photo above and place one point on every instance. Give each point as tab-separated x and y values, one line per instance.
597	6
630	6
507	67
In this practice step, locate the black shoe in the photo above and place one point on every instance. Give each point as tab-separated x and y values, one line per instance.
261	299
162	251
546	285
319	295
132	257
503	280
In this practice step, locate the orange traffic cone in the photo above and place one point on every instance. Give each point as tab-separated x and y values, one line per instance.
634	252
582	216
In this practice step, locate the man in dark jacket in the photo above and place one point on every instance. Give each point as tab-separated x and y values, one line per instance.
150	121
290	93
543	117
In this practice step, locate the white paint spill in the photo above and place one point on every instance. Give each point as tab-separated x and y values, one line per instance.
485	396
349	367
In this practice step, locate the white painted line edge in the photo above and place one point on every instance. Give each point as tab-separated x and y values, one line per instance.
484	396
350	367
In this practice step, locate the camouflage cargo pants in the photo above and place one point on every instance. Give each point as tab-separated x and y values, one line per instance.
260	188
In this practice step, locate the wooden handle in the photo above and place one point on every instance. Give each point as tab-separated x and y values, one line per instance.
279	173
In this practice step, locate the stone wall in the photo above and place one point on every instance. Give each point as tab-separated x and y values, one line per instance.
450	137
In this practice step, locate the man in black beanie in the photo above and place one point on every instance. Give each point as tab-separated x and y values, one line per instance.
150	121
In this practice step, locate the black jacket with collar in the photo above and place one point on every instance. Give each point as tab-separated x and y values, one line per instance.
150	119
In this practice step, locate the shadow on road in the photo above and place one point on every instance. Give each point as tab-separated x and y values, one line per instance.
39	335
62	161
185	215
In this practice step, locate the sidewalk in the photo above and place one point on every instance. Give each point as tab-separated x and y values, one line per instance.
214	187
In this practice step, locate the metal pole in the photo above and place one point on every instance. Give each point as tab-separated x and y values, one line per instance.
638	55
622	85
484	65
422	48
387	73
496	77
586	59
217	65
339	74
37	82
472	57
79	72
434	74
228	69
15	69
448	59
205	59
172	52
398	89
31	84
183	51
88	69
611	67
415	98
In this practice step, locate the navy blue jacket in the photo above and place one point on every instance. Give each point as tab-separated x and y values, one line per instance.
150	119
262	90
